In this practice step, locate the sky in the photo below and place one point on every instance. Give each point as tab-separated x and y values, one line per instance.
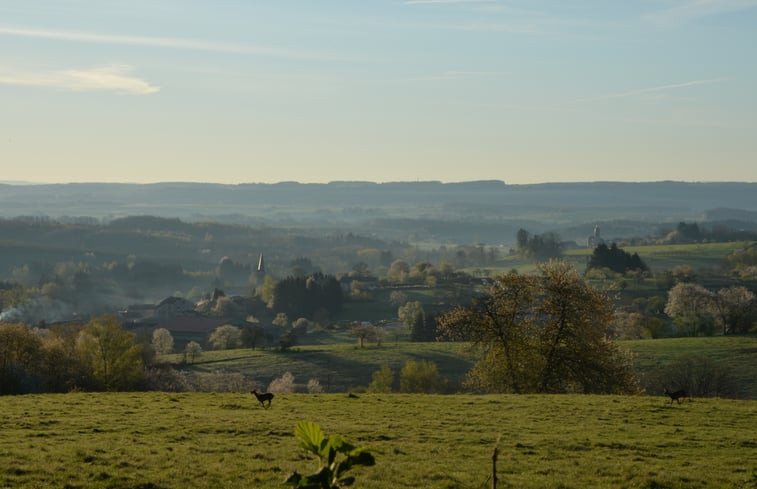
242	91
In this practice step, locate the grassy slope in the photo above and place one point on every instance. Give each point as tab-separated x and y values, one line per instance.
701	257
739	353
345	366
338	367
159	440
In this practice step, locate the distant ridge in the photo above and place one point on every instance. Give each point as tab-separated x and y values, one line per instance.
18	182
492	182
290	203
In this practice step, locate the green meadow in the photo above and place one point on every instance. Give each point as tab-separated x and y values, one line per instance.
200	440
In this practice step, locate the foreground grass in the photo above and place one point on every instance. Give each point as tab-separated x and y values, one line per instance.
160	440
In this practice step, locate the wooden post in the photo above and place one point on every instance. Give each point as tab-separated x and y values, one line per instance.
495	454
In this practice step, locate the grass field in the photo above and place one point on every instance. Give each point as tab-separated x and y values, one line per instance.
337	367
345	366
162	441
738	353
700	256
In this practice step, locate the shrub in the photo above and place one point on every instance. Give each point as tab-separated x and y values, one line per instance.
314	386
698	375
282	385
166	380
420	377
225	337
383	380
300	327
397	298
287	341
627	326
162	341
192	351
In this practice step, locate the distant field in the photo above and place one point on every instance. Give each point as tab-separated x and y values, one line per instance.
342	367
380	308
337	367
701	257
167	441
374	311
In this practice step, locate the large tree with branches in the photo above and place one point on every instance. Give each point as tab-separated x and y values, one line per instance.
545	332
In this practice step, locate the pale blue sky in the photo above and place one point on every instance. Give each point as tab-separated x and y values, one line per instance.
452	90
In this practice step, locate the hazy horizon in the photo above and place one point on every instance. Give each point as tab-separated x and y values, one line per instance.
198	182
235	91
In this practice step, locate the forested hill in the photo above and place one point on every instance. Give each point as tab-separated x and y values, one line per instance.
558	202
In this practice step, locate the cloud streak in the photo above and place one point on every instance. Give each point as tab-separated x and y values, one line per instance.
660	88
692	9
455	75
115	78
158	42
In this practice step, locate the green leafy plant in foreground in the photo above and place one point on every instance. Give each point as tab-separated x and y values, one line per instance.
330	474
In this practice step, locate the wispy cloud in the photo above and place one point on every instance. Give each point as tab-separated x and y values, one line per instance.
114	78
683	10
684	120
659	89
502	17
455	75
431	2
159	42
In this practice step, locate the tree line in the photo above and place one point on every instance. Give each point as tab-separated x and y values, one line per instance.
98	355
697	311
614	258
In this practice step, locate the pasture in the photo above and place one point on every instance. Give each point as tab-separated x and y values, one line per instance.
337	367
345	366
193	440
737	353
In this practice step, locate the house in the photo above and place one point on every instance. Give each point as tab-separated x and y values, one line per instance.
174	306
